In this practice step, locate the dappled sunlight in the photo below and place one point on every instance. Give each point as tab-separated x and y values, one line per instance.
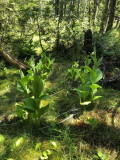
55	141
63	101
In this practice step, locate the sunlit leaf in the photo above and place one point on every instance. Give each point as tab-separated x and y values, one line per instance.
54	144
38	145
99	75
85	103
19	142
2	139
96	97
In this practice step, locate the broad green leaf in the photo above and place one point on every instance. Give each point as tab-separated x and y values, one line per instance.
94	91
24	81
24	89
37	86
90	70
29	103
31	62
30	72
20	111
22	84
39	67
94	86
21	74
43	110
99	75
44	97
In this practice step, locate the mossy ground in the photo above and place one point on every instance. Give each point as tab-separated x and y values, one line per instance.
61	136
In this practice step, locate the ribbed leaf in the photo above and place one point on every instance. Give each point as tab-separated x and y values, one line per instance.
99	75
94	86
29	103
37	86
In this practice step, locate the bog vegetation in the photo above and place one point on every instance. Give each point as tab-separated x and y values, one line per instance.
59	80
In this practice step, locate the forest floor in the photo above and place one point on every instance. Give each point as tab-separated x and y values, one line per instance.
64	133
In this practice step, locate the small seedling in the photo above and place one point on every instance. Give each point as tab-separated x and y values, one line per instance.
93	122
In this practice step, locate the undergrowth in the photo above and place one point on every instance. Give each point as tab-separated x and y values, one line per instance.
65	132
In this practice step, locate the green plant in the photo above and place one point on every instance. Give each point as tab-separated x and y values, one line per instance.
42	68
2	139
89	77
74	72
2	65
93	122
100	155
46	153
33	89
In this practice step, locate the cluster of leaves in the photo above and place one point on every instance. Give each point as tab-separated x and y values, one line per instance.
42	152
42	68
88	78
74	72
46	153
32	87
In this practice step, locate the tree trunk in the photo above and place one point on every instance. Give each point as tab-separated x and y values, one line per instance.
96	3
61	9
56	7
111	14
78	9
7	56
104	17
89	13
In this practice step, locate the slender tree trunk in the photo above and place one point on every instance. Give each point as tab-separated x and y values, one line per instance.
58	36
61	9
89	13
85	6
56	7
111	14
78	9
96	3
104	17
64	9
